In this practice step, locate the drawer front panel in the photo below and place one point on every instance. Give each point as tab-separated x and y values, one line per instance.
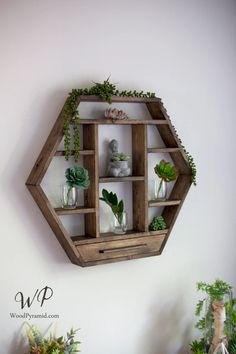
120	248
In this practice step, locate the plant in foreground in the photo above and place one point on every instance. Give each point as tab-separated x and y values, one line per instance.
218	292
38	344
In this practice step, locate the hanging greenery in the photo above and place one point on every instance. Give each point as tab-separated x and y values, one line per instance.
189	158
105	91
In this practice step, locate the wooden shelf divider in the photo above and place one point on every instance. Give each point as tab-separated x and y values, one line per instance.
91	197
140	188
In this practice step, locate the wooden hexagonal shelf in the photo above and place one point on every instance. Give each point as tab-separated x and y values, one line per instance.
94	247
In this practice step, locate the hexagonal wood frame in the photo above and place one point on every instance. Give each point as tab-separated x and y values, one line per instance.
95	248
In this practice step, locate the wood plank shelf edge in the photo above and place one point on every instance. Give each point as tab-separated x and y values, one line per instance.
104	121
154	150
159	203
121	179
81	152
110	236
78	210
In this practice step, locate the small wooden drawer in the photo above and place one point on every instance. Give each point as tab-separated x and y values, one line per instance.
125	248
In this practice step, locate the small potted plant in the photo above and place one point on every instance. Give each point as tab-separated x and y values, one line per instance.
117	207
166	173
76	178
158	223
118	165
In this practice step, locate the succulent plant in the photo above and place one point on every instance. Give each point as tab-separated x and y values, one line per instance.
77	177
115	113
158	223
166	171
120	157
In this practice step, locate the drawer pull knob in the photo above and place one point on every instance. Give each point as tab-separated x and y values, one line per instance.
124	248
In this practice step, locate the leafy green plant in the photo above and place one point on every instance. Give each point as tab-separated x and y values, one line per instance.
120	157
221	291
198	347
158	223
116	206
52	344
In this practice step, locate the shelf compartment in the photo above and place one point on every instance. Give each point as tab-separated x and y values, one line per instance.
81	152
121	179
104	121
163	150
159	203
78	210
123	249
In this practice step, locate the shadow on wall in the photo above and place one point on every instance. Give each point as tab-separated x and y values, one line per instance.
168	332
18	343
20	197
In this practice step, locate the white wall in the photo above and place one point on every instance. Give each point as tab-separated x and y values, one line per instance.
185	51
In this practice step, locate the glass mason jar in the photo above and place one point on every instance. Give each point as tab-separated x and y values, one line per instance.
120	223
216	310
160	189
69	197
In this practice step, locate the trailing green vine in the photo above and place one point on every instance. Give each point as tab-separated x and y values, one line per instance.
189	158
76	136
105	91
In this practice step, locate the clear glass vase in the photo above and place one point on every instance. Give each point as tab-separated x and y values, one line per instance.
220	306
69	197
120	223
160	189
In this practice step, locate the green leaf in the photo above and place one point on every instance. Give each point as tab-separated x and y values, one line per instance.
121	206
199	307
105	194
